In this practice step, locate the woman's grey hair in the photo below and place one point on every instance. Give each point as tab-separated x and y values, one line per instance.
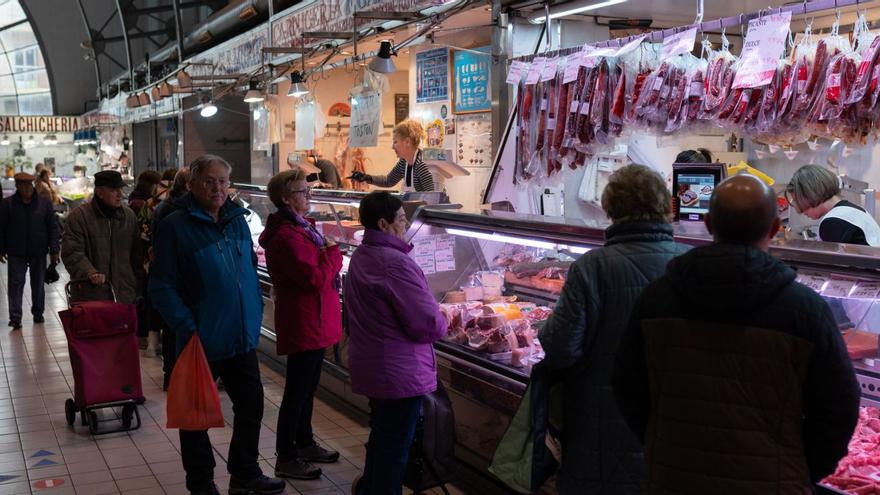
636	193
197	166
811	186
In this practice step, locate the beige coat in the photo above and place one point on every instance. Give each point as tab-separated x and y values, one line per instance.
94	243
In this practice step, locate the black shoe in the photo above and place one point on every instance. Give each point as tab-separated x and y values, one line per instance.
297	469
39	319
12	323
16	325
261	485
208	490
166	380
316	453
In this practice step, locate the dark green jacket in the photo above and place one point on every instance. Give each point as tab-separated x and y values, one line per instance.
599	453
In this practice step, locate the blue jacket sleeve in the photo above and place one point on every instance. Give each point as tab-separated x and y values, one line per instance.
166	284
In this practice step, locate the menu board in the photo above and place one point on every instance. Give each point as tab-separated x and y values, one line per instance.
432	75
471	72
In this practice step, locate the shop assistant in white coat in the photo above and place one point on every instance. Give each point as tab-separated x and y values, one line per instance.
406	138
815	192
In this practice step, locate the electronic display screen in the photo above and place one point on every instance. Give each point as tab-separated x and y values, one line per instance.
692	186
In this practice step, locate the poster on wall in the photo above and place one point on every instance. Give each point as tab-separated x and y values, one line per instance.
366	119
401	107
471	76
305	125
432	75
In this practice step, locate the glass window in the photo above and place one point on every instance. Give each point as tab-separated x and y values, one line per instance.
35	104
27	90
10	12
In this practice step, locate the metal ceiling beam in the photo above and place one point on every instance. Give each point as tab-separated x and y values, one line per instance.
132	36
121	14
178	30
176	5
85	20
389	16
329	35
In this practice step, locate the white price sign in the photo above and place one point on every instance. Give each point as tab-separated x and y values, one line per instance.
813	281
517	68
866	290
535	71
550	67
366	119
305	125
838	288
764	44
677	44
572	66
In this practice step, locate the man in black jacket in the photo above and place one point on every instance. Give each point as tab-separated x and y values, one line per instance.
28	231
735	376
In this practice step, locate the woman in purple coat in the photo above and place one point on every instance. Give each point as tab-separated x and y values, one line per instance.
392	320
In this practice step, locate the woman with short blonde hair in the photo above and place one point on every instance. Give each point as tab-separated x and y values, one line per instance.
406	138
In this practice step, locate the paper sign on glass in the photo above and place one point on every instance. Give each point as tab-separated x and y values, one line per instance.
867	290
764	44
366	119
305	125
677	44
535	71
838	288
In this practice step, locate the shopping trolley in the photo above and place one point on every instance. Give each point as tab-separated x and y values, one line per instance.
104	355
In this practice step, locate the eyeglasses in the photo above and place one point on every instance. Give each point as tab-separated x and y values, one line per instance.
307	191
212	183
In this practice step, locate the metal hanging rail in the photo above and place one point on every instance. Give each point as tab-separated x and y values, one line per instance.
726	22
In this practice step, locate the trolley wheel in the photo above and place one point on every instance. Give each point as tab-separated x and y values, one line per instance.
93	422
127	415
70	411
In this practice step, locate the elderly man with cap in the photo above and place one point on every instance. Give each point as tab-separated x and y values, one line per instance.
101	243
732	374
28	231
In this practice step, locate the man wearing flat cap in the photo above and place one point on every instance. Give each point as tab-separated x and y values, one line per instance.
101	243
28	232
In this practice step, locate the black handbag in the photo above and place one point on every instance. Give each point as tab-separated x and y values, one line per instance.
52	273
432	455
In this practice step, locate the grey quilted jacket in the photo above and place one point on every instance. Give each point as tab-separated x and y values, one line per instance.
599	453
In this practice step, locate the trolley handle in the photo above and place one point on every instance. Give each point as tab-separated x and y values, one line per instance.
89	284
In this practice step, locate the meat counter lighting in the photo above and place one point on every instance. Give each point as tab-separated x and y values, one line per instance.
518	240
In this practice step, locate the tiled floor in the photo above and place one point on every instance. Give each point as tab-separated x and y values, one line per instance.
40	453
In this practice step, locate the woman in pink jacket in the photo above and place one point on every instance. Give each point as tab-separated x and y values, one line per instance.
392	321
304	266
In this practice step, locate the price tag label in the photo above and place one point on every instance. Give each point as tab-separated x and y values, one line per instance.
550	67
866	290
813	281
535	71
764	44
677	44
572	67
838	288
517	68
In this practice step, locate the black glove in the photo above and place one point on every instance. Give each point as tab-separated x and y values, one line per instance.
360	177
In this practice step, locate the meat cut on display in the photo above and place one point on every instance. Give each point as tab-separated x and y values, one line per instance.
859	472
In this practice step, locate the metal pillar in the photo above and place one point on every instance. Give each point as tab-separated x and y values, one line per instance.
499	88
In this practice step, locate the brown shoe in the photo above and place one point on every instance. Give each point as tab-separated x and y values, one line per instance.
316	453
297	469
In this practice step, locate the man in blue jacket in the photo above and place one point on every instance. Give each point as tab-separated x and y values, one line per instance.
28	231
204	279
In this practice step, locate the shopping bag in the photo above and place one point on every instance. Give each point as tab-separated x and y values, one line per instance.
193	402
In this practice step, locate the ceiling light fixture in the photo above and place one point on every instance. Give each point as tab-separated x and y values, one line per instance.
5	141
253	95
208	110
297	85
572	8
132	101
31	141
382	61
50	140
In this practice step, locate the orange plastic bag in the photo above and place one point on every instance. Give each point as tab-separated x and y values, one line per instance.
193	402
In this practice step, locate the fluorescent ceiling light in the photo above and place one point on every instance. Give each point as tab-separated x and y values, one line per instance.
520	241
572	8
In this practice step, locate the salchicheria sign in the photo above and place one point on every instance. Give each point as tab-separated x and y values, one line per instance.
10	124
